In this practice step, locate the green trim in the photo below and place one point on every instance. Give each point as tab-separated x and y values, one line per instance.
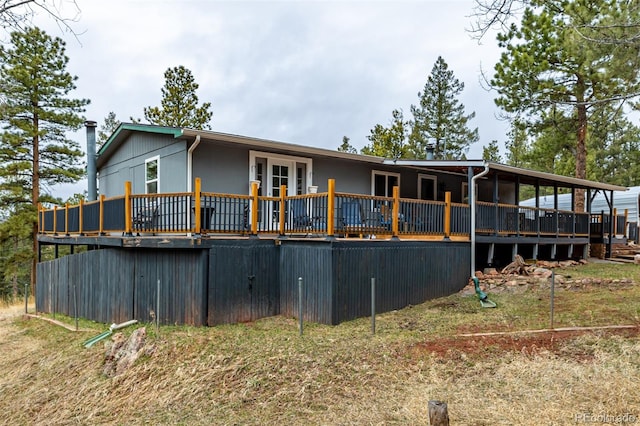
149	128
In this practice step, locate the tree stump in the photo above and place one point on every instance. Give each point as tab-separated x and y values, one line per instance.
518	266
438	414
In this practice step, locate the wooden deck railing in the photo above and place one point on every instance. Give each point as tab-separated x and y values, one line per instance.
324	214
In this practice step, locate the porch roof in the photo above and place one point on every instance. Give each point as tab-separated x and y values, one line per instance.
506	172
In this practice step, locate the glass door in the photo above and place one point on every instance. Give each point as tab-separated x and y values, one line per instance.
279	172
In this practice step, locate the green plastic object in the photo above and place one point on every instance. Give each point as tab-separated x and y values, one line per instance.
97	338
484	299
109	332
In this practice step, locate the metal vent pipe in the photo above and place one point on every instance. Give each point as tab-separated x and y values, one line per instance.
92	173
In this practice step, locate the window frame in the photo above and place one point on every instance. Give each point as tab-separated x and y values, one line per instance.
386	174
147	181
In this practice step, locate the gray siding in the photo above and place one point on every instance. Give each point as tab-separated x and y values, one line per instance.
127	163
222	168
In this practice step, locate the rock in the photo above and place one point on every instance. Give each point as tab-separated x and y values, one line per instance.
542	272
490	271
479	275
636	259
560	279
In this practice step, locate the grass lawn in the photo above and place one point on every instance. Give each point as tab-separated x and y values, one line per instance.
265	373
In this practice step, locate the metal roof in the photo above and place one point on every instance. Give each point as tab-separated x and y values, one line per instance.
526	176
506	172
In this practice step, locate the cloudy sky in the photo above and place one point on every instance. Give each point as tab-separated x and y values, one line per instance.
307	72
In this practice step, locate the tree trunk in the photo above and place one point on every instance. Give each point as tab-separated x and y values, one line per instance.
35	197
581	144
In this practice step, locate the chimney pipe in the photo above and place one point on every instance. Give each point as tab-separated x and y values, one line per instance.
92	173
430	149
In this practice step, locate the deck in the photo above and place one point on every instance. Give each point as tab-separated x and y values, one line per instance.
134	218
206	258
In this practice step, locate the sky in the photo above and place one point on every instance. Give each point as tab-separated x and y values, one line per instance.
304	72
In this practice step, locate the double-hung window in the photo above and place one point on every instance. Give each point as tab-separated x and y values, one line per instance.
152	175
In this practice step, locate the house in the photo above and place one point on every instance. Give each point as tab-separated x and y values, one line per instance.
204	227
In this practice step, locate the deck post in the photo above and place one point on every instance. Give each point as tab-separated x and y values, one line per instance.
331	198
197	201
66	219
41	218
127	208
395	212
283	209
80	215
55	220
447	215
254	208
614	218
101	218
626	218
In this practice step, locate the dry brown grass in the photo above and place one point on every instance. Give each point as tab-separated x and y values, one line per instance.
264	373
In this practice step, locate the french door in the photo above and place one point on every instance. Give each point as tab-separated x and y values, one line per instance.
279	172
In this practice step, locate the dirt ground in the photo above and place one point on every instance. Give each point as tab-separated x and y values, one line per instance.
526	343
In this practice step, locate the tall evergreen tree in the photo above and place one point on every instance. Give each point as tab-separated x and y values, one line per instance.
491	152
179	104
35	152
440	117
551	74
346	146
109	126
517	145
389	142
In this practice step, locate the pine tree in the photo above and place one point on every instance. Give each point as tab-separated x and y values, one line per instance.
35	152
109	126
346	146
440	117
557	71
389	142
179	104
491	152
517	145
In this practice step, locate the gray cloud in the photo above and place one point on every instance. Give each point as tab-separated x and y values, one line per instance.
305	72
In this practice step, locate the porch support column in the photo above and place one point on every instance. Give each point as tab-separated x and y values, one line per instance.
611	224
496	200
514	251
127	209
537	209
517	203
570	254
555	208
573	214
492	248
254	208
331	193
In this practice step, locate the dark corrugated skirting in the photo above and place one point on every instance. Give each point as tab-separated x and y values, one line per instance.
233	281
243	281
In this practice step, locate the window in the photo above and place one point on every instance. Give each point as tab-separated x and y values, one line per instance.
383	183
152	175
427	187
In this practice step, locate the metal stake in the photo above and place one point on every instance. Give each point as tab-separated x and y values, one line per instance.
158	307
553	282
373	306
300	305
75	304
